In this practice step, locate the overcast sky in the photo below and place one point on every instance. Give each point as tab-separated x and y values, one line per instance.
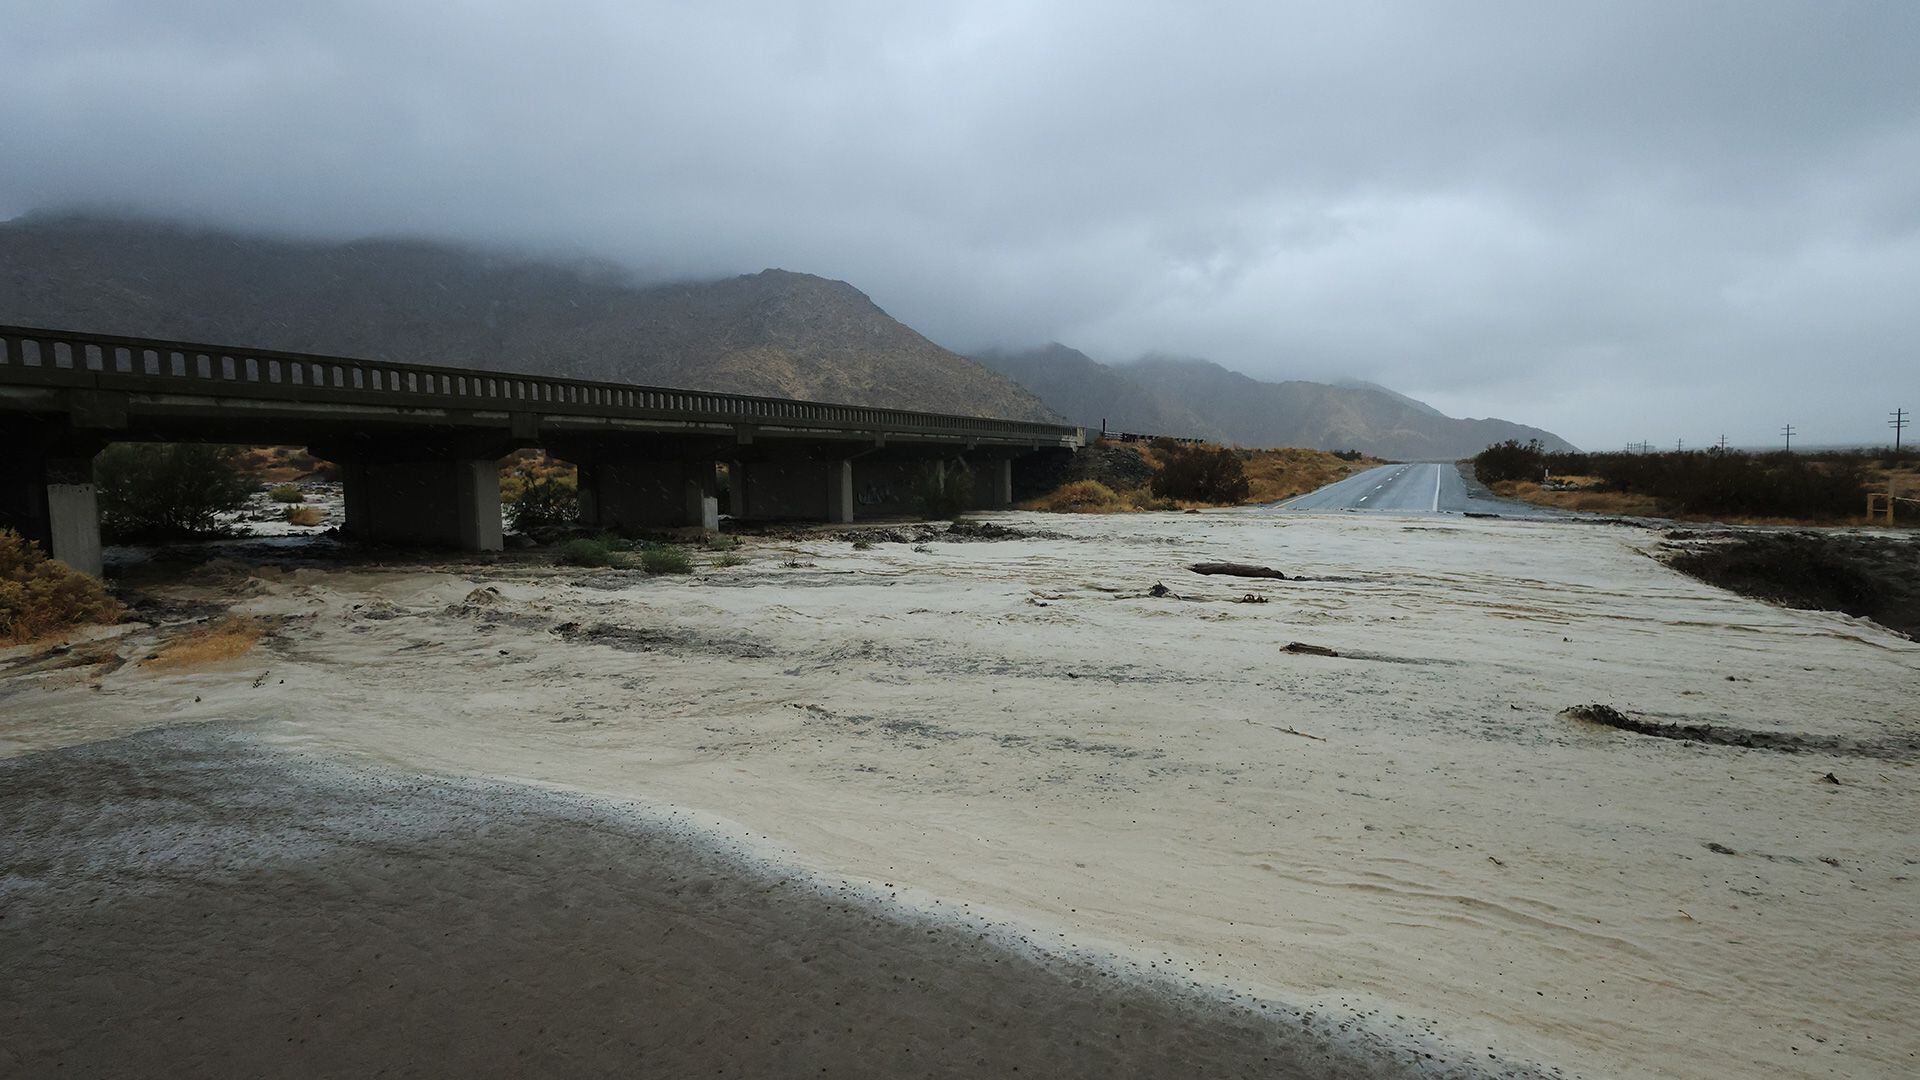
1616	220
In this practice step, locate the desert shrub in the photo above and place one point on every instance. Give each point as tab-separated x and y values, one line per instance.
1510	460
1725	483
584	552
940	493
305	516
286	493
720	542
536	499
862	544
1080	497
1755	485
1143	498
39	596
159	491
730	559
1212	474
665	559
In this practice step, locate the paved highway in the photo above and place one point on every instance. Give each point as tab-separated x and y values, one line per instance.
1420	488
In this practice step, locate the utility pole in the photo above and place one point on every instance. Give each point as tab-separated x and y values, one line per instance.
1723	442
1679	445
1898	424
1788	432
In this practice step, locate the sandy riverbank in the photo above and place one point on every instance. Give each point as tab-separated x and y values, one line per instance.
1018	727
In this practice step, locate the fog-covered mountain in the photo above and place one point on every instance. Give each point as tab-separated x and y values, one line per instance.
775	332
1161	395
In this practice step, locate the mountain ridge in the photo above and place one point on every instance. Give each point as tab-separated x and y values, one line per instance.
777	333
1215	402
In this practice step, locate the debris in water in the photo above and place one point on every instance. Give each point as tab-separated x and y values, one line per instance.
1234	569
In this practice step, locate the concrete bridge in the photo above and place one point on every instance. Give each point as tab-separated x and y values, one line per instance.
418	445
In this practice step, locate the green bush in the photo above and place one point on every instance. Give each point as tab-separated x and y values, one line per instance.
862	544
664	559
585	552
161	491
1211	474
536	500
1510	460
942	493
730	559
286	493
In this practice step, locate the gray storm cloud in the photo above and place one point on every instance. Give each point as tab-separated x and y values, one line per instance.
1618	221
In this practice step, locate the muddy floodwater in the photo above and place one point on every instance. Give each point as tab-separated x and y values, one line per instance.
882	800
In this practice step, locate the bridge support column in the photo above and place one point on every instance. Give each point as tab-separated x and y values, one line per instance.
619	494
50	500
444	502
46	490
793	488
992	484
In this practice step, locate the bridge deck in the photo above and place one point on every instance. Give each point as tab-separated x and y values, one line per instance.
41	368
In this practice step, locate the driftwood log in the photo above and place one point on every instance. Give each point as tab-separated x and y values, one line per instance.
1308	650
1235	569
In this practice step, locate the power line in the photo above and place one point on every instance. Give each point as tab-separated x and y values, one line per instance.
1898	424
1788	432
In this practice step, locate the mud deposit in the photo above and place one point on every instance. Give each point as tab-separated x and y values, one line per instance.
1400	833
1904	749
187	902
1875	577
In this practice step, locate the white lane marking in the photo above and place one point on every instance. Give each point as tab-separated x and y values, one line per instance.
1364	498
1436	488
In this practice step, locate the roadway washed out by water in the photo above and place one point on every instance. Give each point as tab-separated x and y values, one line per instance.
969	805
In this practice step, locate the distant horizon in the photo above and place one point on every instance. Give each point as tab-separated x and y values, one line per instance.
639	279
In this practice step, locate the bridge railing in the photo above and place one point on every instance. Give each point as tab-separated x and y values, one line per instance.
36	356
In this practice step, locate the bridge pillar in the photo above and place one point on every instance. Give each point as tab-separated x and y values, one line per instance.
46	491
992	484
444	502
50	501
793	488
619	494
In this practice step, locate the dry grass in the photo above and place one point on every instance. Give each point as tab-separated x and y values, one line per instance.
40	597
1284	473
1079	497
1582	495
1094	497
307	516
280	464
1272	475
231	637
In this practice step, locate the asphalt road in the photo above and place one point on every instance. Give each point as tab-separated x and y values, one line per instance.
1419	488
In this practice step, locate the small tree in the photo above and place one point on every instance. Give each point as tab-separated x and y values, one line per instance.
161	491
537	499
